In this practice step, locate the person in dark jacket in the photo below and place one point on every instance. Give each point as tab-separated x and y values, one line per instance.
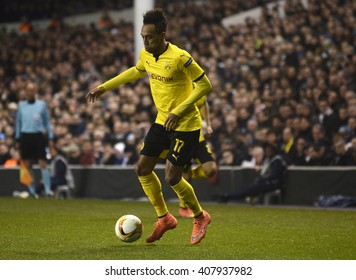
342	157
61	175
271	177
60	171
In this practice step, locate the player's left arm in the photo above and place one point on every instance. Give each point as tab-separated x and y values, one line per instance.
196	74
202	87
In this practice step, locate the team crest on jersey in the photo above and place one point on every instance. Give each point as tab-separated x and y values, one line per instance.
167	66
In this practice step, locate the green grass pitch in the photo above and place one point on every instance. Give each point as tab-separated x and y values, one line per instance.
48	229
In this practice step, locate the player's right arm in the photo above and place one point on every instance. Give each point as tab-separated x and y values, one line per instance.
127	76
205	113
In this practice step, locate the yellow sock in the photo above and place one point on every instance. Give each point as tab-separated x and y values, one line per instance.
152	187
182	204
186	193
198	172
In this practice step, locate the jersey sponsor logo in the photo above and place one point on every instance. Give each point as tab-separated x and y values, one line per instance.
160	78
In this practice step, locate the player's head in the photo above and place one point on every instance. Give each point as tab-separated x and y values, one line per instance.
153	31
157	18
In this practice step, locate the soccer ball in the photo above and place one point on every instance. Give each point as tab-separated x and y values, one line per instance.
128	228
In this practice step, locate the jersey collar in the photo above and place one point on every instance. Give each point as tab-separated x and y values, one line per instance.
157	57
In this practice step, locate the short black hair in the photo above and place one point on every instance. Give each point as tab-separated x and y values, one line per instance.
157	18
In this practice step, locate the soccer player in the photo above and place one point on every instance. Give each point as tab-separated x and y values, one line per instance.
206	166
33	129
172	73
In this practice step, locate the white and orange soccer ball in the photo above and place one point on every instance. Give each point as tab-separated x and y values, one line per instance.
129	228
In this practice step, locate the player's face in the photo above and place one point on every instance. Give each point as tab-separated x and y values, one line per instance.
151	39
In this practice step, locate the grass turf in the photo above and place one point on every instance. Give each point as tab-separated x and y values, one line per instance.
84	230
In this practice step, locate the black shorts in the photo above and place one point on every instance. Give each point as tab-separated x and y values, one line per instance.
33	146
180	145
203	153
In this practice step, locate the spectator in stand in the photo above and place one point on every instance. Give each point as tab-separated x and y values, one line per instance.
87	156
73	153
305	129
228	158
230	128
256	160
105	21
287	141
26	26
351	148
61	173
55	22
272	138
299	153
327	117
346	133
318	135
271	176
98	149
342	157
279	61
4	153
318	155
14	160
109	155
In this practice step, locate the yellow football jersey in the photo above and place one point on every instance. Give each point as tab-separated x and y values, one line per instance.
171	81
201	102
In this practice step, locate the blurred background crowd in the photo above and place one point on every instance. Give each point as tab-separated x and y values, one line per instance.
284	80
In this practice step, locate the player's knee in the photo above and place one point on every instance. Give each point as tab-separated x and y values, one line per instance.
187	176
172	179
142	170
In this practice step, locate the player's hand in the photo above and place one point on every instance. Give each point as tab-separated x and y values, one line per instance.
171	122
209	130
95	94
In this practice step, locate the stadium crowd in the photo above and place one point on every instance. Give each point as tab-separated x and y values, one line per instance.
16	10
283	80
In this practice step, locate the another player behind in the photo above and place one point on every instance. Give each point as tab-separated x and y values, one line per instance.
204	162
172	72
